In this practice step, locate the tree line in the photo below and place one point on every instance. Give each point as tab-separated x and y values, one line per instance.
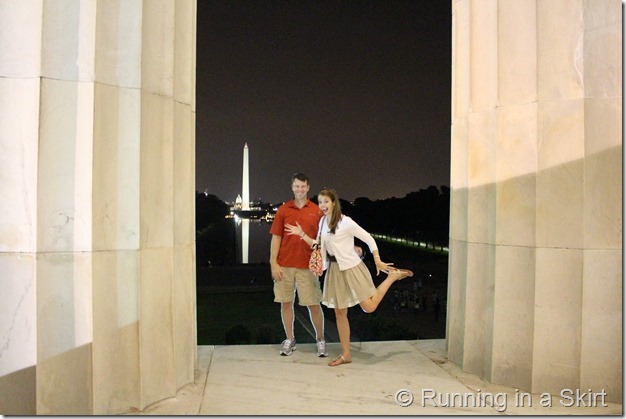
422	216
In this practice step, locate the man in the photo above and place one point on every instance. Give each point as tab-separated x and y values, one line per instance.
289	260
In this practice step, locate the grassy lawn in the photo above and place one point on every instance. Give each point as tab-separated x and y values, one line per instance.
235	307
242	317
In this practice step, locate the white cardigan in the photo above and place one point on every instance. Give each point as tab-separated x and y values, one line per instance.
341	244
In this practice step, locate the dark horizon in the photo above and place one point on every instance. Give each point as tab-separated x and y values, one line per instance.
313	197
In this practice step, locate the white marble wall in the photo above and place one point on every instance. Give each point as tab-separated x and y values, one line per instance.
535	278
97	254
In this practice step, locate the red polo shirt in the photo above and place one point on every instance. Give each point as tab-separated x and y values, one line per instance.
295	252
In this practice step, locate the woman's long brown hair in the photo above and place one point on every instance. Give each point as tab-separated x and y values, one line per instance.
335	215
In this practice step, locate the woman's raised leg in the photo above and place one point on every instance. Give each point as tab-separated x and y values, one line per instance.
371	304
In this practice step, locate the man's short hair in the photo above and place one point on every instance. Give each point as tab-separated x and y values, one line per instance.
300	176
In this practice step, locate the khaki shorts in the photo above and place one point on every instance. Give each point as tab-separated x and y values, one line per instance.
307	284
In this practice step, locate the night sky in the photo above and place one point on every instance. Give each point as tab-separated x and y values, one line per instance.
356	94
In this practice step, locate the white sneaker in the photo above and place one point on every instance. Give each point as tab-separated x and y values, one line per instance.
321	348
288	346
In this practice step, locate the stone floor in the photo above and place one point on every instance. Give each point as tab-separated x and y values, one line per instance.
385	378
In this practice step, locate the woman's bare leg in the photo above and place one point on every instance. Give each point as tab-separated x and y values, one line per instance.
371	304
343	327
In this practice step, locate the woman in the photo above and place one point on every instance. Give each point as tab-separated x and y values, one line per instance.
348	281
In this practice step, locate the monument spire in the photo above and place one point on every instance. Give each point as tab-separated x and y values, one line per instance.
245	187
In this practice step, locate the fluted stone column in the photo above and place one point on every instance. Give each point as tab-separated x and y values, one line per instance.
97	253
535	280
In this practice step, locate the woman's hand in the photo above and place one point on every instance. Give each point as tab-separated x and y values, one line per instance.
383	266
291	229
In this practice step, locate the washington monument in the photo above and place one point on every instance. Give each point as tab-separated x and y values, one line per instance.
245	187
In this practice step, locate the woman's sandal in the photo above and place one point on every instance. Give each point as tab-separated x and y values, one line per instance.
338	361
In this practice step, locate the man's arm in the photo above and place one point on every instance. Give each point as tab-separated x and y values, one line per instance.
277	272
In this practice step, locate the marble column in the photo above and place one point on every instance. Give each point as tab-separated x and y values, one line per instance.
535	280
97	243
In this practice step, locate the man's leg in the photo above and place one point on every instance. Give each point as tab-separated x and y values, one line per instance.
286	312
317	319
284	292
310	295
